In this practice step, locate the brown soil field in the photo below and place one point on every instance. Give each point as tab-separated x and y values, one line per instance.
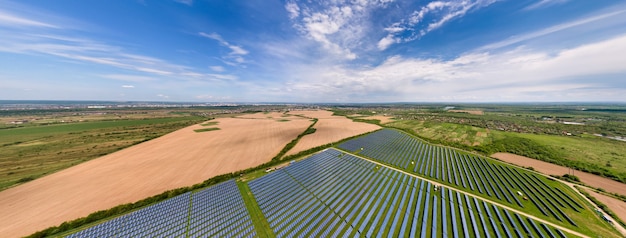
616	205
552	169
474	112
329	129
181	158
269	115
383	119
319	114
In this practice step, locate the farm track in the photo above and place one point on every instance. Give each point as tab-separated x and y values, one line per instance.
548	169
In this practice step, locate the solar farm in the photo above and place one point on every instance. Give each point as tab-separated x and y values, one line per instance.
215	211
384	184
497	181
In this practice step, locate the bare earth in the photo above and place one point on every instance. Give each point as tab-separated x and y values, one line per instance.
269	115
616	205
383	119
329	129
552	169
181	158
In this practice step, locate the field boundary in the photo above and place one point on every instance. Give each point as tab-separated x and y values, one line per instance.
259	221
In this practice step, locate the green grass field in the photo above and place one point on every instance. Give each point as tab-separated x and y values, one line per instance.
27	153
586	152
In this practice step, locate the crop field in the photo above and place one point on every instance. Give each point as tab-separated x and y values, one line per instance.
498	182
336	194
329	128
29	152
218	211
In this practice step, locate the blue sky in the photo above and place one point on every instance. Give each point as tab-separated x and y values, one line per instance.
310	51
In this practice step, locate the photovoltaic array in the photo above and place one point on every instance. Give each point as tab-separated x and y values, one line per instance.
502	182
216	211
334	194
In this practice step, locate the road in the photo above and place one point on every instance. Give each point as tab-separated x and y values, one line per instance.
617	226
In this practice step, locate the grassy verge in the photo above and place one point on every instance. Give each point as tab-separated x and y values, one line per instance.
291	144
206	129
601	206
263	229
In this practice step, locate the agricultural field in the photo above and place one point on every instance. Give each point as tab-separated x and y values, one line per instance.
34	150
329	128
589	179
178	159
456	133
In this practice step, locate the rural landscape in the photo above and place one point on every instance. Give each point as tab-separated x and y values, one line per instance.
313	118
314	170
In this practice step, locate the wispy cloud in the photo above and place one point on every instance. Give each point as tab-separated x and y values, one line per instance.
10	20
128	86
293	9
544	3
617	14
236	52
217	68
212	97
417	24
23	34
128	78
186	2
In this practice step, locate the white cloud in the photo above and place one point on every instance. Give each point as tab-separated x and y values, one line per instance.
9	20
235	56
514	75
61	43
384	43
128	86
293	9
223	76
235	49
212	97
129	78
163	96
217	68
338	26
545	3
